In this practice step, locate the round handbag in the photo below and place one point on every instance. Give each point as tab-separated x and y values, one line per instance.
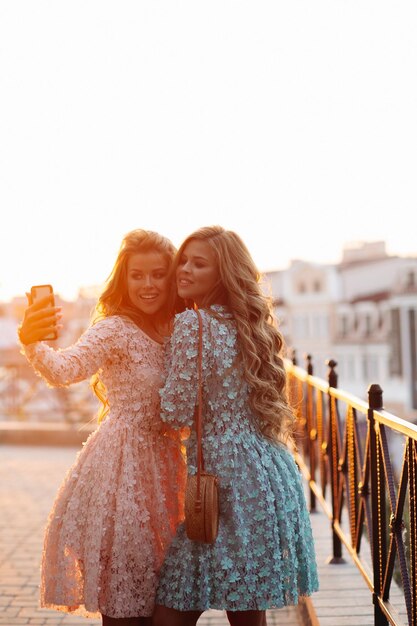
202	508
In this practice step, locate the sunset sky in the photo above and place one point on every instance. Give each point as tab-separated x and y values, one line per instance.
293	123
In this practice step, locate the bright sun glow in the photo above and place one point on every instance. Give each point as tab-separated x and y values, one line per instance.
292	123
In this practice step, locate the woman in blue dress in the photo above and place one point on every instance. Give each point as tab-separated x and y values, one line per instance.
263	556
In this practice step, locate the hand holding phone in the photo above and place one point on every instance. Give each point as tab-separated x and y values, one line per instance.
41	316
39	292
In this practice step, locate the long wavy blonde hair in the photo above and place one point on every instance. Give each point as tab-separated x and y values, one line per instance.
114	300
261	343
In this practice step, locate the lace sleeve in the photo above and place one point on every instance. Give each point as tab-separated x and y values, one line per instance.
60	368
179	394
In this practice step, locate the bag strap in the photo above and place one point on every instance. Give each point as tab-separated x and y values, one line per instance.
198	413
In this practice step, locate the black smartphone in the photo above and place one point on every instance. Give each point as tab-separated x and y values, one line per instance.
41	291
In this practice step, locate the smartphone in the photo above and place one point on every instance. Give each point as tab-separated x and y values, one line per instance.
41	291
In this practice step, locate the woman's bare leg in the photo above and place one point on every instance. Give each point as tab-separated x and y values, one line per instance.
246	618
163	616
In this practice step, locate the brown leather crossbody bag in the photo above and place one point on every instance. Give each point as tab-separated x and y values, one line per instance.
202	491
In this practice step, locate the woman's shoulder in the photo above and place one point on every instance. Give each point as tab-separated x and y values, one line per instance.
189	320
186	318
218	312
185	323
217	322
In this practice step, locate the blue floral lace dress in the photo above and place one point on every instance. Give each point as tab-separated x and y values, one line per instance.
264	554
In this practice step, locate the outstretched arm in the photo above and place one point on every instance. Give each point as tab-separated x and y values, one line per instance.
59	368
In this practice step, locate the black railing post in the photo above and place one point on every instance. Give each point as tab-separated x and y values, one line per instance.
295	391
412	501
312	431
309	364
378	501
294	356
333	453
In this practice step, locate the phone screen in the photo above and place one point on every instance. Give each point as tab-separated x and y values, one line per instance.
42	291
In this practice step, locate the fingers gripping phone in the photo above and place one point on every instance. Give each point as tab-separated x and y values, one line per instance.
42	291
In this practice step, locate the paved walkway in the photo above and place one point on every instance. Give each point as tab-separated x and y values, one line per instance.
344	597
29	478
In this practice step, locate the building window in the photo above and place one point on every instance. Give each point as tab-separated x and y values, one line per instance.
395	366
351	368
315	320
301	287
373	369
368	325
412	321
355	322
411	279
344	325
380	320
316	286
306	326
370	369
301	327
365	371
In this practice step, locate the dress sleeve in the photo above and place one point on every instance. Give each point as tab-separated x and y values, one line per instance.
59	368
179	393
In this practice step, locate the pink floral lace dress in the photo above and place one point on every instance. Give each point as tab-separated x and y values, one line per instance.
118	508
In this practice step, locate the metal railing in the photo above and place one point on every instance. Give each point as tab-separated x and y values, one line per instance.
347	451
25	397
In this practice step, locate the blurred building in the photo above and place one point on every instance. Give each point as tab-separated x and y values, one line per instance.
25	396
361	312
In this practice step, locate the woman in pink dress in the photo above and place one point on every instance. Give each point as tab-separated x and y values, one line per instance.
119	506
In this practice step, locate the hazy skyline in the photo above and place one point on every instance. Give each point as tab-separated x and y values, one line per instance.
292	123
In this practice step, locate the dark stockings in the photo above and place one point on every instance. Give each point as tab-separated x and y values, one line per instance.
164	616
126	621
247	618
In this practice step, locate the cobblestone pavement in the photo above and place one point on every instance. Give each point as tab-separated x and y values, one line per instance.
29	478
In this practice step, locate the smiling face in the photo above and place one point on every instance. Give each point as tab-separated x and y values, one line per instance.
148	281
197	271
